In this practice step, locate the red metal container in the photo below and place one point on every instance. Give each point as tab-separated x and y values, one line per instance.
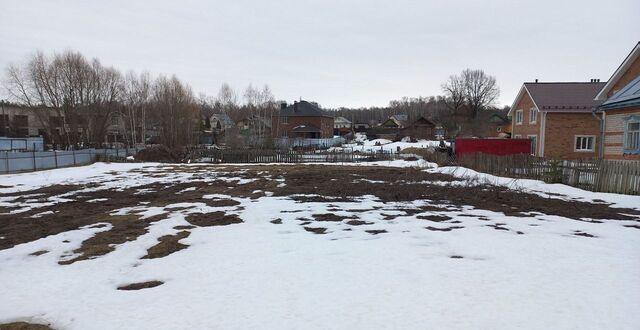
498	147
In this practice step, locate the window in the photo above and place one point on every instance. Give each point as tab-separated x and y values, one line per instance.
533	115
585	142
632	135
114	120
534	143
284	120
518	117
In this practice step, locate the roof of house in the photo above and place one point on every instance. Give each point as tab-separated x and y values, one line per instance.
302	109
223	117
628	96
342	120
306	129
561	96
422	121
620	71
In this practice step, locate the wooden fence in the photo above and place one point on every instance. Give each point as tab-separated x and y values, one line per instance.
285	156
616	176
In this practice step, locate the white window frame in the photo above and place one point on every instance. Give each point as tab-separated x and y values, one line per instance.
533	116
534	144
520	114
629	149
575	143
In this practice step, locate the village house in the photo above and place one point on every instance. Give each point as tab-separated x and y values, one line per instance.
620	111
221	122
421	128
341	126
558	118
302	120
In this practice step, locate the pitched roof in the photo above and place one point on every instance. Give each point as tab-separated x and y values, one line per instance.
620	71
302	109
564	96
223	117
628	96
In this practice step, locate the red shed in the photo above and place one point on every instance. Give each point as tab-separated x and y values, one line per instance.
498	147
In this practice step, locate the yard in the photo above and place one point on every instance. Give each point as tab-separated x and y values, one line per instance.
396	245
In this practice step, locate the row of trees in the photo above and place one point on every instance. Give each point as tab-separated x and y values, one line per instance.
83	97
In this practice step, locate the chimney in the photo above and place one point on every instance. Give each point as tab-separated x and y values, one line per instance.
295	106
536	80
283	105
595	80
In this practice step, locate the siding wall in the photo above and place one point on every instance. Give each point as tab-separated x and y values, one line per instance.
614	133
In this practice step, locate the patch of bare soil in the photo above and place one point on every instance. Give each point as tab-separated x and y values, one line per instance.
443	229
222	202
183	227
358	223
24	326
583	234
331	217
376	231
434	218
317	230
276	221
456	257
140	285
168	244
217	218
125	228
38	253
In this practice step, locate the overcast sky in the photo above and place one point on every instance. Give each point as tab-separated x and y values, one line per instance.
338	53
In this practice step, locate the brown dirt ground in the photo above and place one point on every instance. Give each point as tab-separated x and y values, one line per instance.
24	326
141	285
167	245
401	185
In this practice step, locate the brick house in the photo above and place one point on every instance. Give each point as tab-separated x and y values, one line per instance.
302	120
620	110
558	118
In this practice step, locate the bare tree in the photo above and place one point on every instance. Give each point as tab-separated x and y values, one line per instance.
176	110
455	96
481	90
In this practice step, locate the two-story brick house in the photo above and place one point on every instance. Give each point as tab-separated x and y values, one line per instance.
558	118
302	120
621	110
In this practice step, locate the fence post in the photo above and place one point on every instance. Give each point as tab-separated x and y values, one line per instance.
55	157
6	159
74	156
33	154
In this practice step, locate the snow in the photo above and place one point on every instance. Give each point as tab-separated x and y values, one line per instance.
260	275
363	145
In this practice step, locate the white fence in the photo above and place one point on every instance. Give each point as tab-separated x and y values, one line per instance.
14	162
21	144
304	142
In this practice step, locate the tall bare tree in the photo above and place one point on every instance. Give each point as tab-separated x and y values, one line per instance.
481	90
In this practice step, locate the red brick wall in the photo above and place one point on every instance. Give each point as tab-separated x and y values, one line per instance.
526	128
560	135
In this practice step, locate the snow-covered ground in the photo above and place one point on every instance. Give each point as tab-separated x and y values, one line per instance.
361	144
460	274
